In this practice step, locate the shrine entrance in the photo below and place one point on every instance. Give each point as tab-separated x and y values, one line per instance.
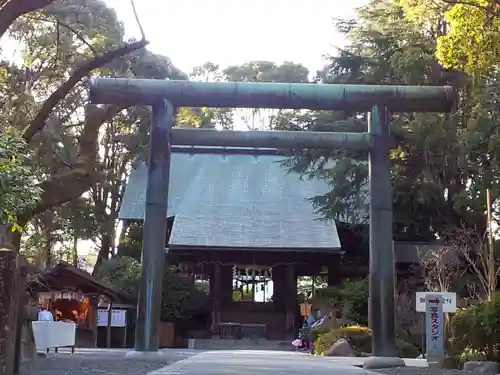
165	96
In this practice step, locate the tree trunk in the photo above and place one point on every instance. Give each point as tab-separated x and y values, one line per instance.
104	251
8	302
75	252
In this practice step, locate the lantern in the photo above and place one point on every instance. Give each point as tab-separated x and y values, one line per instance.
305	309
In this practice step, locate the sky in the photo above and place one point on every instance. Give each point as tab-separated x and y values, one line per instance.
229	32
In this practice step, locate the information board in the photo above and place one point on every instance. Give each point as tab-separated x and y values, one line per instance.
118	318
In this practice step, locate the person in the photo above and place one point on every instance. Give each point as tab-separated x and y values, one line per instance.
45	315
305	336
311	319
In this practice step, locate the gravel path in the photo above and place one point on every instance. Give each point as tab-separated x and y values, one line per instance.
102	362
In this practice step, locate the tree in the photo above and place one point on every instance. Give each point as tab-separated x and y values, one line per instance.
18	188
473	33
263	71
180	298
62	44
448	180
11	10
480	271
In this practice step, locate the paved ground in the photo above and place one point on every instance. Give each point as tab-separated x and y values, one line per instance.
254	362
258	362
221	362
102	362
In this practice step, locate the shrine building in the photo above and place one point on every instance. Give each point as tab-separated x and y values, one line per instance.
240	219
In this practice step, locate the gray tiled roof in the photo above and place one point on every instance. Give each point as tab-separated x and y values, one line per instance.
236	201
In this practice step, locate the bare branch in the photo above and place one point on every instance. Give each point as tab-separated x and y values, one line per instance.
84	70
136	15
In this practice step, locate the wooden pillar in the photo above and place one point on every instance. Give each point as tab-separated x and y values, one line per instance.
215	285
108	327
335	277
291	299
226	285
94	302
8	302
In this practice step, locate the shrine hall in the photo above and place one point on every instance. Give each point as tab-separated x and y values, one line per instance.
240	219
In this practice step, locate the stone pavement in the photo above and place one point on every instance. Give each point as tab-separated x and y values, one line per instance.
259	362
101	361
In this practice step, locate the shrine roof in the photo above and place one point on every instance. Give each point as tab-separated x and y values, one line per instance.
64	276
236	200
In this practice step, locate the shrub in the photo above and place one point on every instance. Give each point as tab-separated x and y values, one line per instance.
180	298
360	339
475	331
353	293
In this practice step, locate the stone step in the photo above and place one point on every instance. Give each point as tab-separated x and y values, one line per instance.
243	344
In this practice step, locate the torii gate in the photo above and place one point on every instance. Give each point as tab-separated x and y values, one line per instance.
379	101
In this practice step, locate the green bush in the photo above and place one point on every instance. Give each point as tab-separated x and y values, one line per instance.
475	331
180	298
353	292
360	339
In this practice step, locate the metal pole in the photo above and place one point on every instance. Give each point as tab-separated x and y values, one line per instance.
491	245
155	226
381	301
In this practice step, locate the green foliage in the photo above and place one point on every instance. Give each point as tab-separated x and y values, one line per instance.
18	184
353	293
475	331
123	273
180	298
471	42
360	339
437	186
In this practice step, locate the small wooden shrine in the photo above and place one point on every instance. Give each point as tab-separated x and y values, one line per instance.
73	295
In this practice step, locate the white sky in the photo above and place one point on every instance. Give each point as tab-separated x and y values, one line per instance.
229	32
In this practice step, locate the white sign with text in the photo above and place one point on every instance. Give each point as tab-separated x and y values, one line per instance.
118	318
449	301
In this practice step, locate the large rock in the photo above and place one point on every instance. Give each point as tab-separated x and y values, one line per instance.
341	348
482	367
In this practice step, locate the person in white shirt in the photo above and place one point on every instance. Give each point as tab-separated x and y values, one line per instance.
45	315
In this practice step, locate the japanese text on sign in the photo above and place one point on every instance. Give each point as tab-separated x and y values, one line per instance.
434	327
434	323
445	300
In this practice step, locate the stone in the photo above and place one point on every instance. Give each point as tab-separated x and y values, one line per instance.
341	348
482	367
372	363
